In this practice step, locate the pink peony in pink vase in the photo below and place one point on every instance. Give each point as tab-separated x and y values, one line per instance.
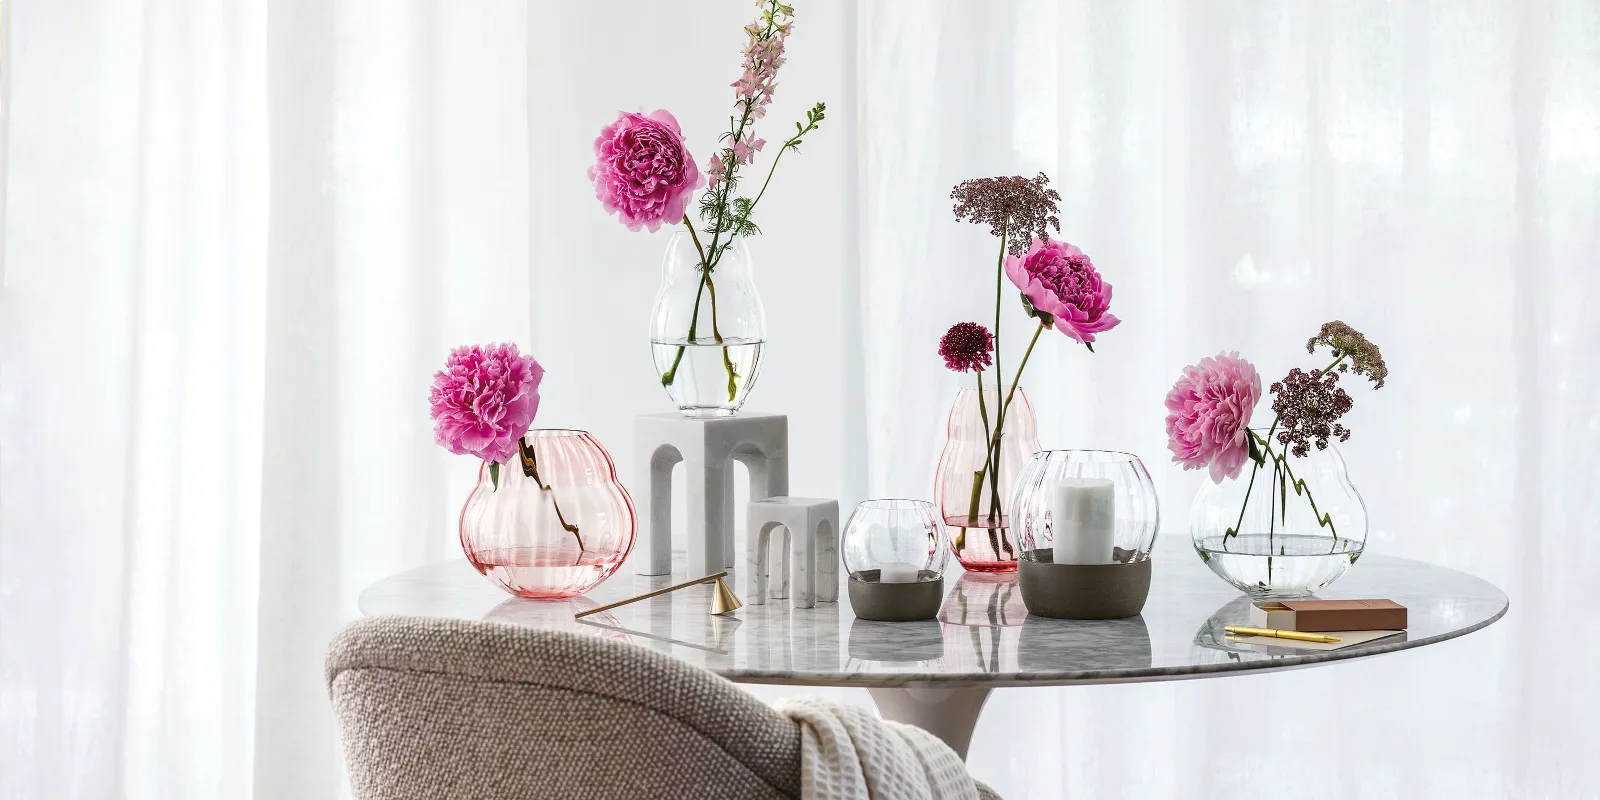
548	518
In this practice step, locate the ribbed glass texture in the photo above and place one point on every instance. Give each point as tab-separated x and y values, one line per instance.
556	536
982	543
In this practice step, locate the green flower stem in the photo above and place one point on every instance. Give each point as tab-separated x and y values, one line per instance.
706	286
1300	487
1006	408
1234	531
993	461
792	143
530	468
977	477
727	362
1000	420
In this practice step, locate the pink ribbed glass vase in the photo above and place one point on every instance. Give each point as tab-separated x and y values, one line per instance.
559	522
982	542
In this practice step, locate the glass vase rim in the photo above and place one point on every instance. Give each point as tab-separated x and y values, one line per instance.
887	504
987	388
556	433
1097	450
679	233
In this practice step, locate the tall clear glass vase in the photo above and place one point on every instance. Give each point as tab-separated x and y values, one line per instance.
708	327
982	541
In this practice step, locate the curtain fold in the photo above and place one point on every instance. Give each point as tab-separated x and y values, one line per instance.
238	236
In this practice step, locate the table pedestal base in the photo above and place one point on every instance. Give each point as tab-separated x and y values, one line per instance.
949	714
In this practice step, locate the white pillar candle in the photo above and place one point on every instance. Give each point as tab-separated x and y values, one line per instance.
1082	520
897	572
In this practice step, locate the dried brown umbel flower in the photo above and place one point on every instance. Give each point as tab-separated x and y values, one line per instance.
1014	206
1309	405
1356	352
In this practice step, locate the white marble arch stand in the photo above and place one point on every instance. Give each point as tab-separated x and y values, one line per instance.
810	564
707	447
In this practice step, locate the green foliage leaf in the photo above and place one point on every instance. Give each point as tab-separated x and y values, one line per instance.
494	474
1255	452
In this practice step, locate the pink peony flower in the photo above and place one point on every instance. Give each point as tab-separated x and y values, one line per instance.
484	399
1059	280
1208	412
967	346
643	170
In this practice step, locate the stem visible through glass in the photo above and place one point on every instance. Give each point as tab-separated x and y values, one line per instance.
977	477
1280	460
706	286
530	468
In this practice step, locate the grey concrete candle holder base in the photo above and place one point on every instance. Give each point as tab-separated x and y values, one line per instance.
1082	591
896	602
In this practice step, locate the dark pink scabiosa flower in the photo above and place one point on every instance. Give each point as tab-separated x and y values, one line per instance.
967	346
484	399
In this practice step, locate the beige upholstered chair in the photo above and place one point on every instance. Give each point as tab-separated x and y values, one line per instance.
432	708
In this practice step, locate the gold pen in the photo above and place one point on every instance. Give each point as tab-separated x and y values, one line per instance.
1246	630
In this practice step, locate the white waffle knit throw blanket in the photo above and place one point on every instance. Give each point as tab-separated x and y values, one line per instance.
847	753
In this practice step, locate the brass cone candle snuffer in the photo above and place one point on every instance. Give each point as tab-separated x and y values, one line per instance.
723	600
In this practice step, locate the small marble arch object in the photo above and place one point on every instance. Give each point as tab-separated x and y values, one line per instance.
810	552
707	447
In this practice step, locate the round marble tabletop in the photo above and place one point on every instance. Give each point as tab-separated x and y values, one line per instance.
983	637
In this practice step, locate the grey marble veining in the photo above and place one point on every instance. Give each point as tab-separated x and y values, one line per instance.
984	635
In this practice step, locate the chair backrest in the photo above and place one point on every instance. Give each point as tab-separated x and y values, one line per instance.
433	708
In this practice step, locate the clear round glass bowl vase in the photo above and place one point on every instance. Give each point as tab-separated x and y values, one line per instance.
982	542
708	326
558	522
1303	525
1085	522
894	553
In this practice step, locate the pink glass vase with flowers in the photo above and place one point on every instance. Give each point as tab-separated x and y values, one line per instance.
708	326
991	431
548	517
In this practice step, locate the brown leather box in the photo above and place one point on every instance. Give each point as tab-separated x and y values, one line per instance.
1329	615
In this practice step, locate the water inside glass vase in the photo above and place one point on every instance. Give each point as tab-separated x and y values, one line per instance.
709	326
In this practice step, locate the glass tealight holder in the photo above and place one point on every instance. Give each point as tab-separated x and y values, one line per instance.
1085	522
895	552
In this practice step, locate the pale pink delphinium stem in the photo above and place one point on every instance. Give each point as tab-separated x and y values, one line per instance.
726	216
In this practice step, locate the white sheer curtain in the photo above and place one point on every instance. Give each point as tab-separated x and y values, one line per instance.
239	236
